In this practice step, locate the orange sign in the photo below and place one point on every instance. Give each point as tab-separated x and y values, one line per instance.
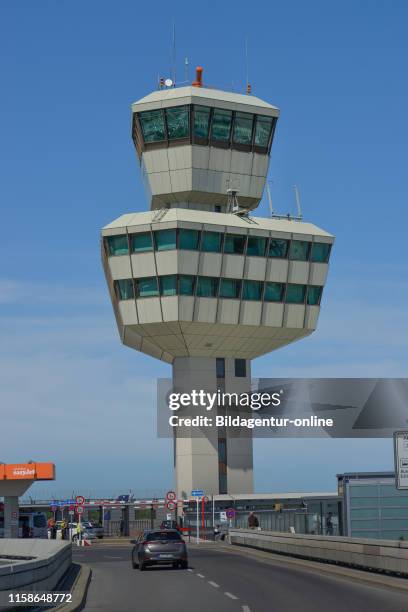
27	471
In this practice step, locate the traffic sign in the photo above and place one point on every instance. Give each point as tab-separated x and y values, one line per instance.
71	508
230	513
401	459
197	492
80	510
171	495
171	505
206	499
71	512
80	500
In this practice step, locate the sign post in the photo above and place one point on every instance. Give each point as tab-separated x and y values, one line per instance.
197	493
401	459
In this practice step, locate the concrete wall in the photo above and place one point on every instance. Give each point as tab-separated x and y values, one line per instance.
50	561
386	555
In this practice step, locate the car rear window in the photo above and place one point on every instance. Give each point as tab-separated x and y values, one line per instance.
163	535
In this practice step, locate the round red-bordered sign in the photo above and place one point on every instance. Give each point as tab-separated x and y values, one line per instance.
80	510
80	500
171	505
171	495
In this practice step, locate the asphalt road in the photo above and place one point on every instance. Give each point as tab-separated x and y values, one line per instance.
221	581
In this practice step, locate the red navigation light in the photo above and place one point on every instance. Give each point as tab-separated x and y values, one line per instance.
199	77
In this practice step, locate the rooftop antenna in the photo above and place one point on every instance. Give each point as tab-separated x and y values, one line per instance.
173	68
248	86
297	197
268	193
186	66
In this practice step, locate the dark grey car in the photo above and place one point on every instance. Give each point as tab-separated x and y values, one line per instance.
157	547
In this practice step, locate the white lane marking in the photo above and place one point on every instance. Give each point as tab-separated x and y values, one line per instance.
189	569
214	584
111	557
230	595
200	576
246	609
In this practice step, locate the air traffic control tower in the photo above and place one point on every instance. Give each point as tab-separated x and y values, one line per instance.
199	282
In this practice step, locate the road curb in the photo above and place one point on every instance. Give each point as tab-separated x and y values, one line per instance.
79	590
336	571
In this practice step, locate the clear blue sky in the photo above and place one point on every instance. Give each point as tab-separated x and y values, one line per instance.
69	392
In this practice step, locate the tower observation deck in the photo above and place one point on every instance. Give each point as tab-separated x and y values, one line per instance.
199	284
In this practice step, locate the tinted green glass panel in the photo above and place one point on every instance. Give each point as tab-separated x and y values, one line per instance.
242	133
357	502
234	243
188	239
117	245
211	242
263	130
278	248
230	288
178	122
147	287
142	242
165	239
207	286
125	289
391	501
221	125
295	294
314	295
395	512
186	285
274	292
299	250
252	290
391	491
152	123
364	513
201	121
168	285
367	524
394	535
320	252
256	246
394	524
365	534
364	490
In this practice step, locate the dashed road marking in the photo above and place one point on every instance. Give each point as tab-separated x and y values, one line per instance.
200	576
189	569
230	595
246	609
214	584
111	557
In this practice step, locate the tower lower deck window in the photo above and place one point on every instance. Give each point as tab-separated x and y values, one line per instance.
234	243
186	284
299	250
314	295
142	242
263	130
320	252
242	133
201	121
147	287
274	292
117	245
211	242
252	290
188	239
165	239
230	288
207	286
168	285
278	248
295	294
124	289
221	125
240	368
256	246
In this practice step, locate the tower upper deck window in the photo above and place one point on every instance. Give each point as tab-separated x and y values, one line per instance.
142	242
153	126
188	239
178	122
234	243
243	128
211	242
256	246
165	239
263	130
201	121
278	248
299	250
221	125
